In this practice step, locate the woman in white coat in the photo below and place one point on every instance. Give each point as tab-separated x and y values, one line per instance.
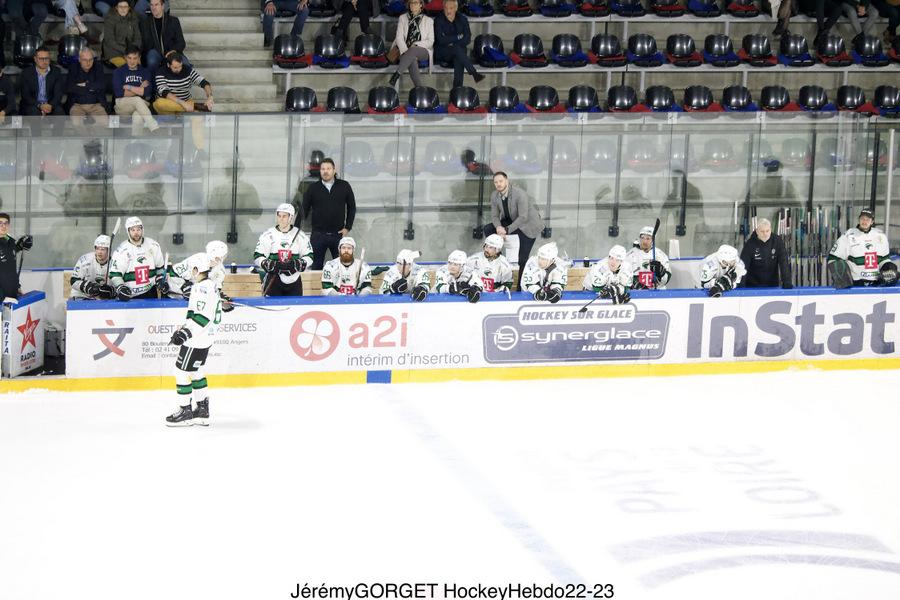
414	39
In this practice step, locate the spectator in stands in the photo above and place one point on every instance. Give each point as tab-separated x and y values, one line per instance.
74	24
133	88
331	206
364	9
300	8
785	11
173	87
513	214
414	39
451	37
41	87
2	41
161	35
120	30
86	91
827	13
7	96
855	10
39	10
890	10
765	257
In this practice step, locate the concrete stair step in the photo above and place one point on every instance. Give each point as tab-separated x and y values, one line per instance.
232	41
265	92
225	75
215	4
231	24
218	12
208	64
228	55
242	106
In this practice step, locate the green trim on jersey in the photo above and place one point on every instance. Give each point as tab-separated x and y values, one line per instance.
327	285
197	318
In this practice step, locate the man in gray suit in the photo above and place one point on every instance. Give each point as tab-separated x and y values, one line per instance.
512	213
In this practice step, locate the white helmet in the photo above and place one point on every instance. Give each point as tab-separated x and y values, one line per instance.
133	222
548	251
617	252
457	257
726	254
102	241
286	208
494	241
347	241
648	231
199	261
407	256
216	250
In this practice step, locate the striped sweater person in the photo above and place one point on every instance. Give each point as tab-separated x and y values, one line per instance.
173	87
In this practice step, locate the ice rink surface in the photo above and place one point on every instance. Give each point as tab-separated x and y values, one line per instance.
776	486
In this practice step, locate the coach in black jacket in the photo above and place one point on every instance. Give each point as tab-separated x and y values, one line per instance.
29	87
765	257
331	205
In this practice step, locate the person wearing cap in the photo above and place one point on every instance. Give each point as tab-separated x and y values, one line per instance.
457	278
493	267
612	277
89	278
407	277
137	268
861	257
721	271
9	247
766	259
513	214
331	207
546	274
650	264
282	253
346	275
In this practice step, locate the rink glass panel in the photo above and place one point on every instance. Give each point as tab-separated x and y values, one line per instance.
424	182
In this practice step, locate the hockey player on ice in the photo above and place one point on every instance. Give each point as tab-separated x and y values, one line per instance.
282	253
611	278
406	277
546	275
89	280
861	256
346	275
137	264
179	279
721	271
649	273
457	278
495	270
195	338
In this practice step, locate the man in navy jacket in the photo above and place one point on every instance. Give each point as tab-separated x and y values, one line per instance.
86	89
451	37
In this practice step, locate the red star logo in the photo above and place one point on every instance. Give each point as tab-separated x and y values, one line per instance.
27	330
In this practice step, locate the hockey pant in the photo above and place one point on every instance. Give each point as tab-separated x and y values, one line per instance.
189	378
280	288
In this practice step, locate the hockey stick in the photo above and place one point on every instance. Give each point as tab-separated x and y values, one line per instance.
165	275
584	308
112	238
271	280
362	258
652	272
266	308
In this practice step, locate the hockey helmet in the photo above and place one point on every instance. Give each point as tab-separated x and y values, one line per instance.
315	161
200	262
850	97
697	97
617	252
503	98
812	97
342	99
69	48
347	241
548	251
464	98
457	257
606	44
300	99
384	99
727	255
756	45
736	97
407	256
423	98
102	241
216	250
543	98
583	98
646	230
286	207
528	46
774	97
659	97
133	222
24	49
621	98
887	97
494	241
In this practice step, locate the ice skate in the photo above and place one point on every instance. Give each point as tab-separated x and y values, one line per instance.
183	418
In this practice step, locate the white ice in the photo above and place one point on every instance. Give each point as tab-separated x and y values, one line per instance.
776	486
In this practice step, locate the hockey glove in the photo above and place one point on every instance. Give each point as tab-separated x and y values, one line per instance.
453	288
300	264
91	288
787	285
473	294
658	269
726	281
540	294
123	293
716	290
186	288
620	295
553	295
180	336
400	286
106	292
840	274
163	286
419	293
268	265
888	274
24	243
227	304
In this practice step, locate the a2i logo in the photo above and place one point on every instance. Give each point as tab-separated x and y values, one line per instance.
114	346
315	335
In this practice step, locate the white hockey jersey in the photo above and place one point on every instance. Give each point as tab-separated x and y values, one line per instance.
711	269
418	275
87	269
178	274
496	273
864	253
340	279
534	277
137	266
640	265
204	314
443	279
276	245
601	276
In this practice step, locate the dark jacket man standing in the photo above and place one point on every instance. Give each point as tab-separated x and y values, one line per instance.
765	257
331	206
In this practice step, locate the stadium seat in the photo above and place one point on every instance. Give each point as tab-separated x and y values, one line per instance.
606	51
423	99
342	99
522	158
795	153
477	8
628	8
487	50
600	155
359	160
681	51
743	9
887	100
516	8
756	51
503	98
667	8
642	51
566	51
583	98
528	51
369	52
393	8
556	8
434	7
832	51
660	98
68	48
316	156
813	98
593	8
829	154
704	8
543	98
288	52
699	98
464	99
94	166
384	99
719	155
776	98
24	48
301	99
719	51
850	97
794	51
868	51
565	157
737	98
442	159
321	8
139	161
621	98
894	51
643	155
398	158
330	52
